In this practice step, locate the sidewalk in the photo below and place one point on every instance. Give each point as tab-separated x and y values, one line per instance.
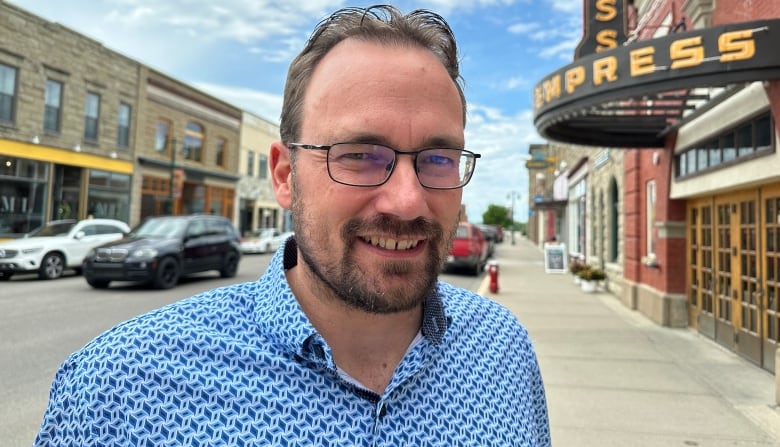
614	378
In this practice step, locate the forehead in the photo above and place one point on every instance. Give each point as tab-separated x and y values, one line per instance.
368	87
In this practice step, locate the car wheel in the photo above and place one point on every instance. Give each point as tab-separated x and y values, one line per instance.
5	276
230	266
98	283
52	266
167	274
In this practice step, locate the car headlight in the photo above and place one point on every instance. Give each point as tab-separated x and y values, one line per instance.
145	253
31	250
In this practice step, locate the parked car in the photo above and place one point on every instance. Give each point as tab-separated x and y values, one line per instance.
163	249
491	237
264	240
469	249
56	246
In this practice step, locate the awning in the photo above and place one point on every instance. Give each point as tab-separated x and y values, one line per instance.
631	96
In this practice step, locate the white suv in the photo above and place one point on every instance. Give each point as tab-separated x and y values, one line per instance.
58	245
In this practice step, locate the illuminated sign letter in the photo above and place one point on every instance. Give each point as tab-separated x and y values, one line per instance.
607	10
606	39
686	52
641	61
737	46
552	88
605	70
574	78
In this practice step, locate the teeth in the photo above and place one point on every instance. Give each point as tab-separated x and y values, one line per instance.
392	244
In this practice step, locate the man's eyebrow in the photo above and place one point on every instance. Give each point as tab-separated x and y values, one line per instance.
372	138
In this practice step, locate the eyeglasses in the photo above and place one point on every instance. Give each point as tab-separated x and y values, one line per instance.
367	164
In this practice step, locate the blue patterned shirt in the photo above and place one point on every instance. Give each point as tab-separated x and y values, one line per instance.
242	365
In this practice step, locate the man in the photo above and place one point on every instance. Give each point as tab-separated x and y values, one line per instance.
348	338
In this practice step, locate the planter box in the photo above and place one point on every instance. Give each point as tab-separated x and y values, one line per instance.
589	286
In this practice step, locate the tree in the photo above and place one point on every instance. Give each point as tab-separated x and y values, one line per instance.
497	215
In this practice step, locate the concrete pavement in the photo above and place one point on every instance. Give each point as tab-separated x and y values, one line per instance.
614	378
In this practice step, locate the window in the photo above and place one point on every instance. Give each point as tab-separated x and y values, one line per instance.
744	140
162	136
91	117
123	125
714	153
263	171
53	106
193	141
650	230
219	156
749	139
7	93
729	150
250	164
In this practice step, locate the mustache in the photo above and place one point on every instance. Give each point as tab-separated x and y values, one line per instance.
419	226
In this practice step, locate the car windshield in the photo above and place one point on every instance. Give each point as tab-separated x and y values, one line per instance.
158	228
53	229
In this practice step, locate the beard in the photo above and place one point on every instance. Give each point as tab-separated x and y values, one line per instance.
373	288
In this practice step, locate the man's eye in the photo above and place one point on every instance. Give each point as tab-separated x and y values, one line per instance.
438	160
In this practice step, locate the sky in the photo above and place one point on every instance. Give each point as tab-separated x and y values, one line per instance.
239	51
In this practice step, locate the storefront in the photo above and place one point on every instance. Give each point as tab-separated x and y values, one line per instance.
185	190
698	112
39	184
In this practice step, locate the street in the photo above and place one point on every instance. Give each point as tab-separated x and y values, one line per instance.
42	322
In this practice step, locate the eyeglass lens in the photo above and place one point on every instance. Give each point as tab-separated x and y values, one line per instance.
364	164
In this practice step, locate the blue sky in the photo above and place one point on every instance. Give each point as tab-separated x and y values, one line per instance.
239	51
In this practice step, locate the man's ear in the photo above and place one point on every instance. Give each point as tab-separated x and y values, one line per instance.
281	173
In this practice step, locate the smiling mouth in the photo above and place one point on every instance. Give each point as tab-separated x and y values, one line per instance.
391	244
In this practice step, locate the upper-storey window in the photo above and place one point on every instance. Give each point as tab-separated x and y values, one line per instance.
262	172
193	141
162	136
123	125
52	114
91	117
250	164
220	154
747	140
7	93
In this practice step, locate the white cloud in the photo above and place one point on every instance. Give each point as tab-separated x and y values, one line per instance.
263	104
503	142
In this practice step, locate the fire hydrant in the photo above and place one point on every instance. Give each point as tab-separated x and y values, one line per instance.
493	272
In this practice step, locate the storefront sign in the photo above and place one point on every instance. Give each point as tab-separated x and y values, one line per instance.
564	101
604	26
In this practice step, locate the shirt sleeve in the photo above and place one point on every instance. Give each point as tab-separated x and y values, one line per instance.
67	420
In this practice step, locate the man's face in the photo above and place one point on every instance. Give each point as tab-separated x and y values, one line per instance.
379	248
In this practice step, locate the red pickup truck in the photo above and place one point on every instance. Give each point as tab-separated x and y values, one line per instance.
469	249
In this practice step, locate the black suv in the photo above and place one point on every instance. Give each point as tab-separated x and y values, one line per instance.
163	249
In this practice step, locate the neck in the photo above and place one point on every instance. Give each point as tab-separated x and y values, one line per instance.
367	346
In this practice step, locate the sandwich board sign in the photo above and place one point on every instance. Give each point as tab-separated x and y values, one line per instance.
555	257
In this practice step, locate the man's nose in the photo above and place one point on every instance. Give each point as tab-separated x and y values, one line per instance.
403	195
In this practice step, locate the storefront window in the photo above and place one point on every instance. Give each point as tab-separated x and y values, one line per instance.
109	195
23	198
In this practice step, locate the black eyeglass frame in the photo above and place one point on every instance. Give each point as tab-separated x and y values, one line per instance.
326	147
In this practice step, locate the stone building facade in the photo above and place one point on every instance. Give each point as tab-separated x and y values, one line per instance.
68	110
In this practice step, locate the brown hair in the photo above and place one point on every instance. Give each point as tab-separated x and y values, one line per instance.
383	24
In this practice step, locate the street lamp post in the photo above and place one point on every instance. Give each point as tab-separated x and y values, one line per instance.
512	195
